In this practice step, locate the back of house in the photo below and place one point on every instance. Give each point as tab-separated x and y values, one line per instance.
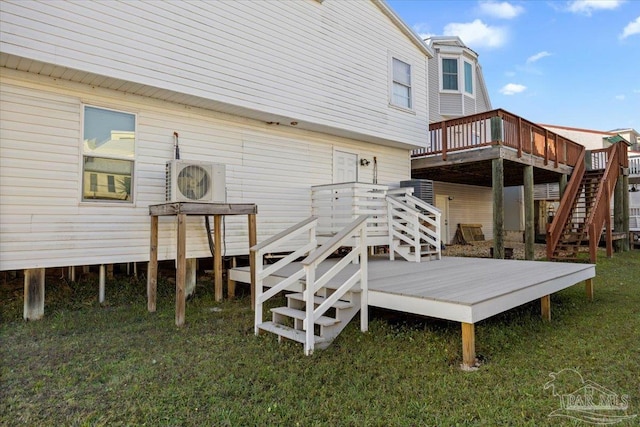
97	97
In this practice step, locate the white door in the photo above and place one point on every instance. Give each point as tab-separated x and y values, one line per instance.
442	203
345	167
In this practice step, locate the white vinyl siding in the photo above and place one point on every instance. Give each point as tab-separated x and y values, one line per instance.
470	205
324	66
44	223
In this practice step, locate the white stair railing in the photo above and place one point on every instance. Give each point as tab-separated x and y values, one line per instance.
357	231
273	244
414	222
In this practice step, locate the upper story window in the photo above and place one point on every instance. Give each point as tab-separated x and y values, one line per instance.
108	152
449	74
401	84
468	78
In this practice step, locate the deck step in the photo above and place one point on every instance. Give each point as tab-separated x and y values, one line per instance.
289	333
300	315
317	300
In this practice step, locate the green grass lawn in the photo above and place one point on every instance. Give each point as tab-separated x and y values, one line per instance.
117	364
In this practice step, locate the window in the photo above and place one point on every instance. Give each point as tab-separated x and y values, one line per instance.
401	90
468	78
449	74
108	154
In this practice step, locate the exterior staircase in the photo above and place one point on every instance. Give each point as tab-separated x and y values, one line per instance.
288	321
414	228
576	229
585	207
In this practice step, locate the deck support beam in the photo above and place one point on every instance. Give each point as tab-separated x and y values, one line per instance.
588	286
562	185
182	268
529	214
468	345
33	293
217	257
545	307
231	284
152	274
498	207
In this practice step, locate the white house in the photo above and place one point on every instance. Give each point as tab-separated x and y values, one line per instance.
456	89
287	95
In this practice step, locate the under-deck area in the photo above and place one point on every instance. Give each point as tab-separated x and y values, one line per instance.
465	290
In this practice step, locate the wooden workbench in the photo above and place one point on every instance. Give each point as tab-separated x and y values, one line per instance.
181	210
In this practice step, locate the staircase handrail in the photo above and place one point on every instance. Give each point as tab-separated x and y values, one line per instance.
415	209
601	208
566	202
355	230
260	272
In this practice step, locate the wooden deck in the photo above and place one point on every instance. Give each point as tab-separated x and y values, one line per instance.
465	290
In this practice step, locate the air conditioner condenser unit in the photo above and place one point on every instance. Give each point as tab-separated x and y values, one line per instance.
193	181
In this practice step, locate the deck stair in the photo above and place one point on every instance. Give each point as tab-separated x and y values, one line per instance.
321	299
576	229
585	208
414	228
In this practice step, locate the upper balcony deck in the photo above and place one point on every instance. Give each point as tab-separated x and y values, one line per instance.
461	150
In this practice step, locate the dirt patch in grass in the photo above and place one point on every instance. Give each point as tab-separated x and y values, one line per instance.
482	249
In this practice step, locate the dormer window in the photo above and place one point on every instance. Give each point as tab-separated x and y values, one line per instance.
449	74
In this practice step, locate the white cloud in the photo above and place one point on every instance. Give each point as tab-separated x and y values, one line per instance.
423	31
620	97
504	10
586	7
477	34
632	28
512	89
538	56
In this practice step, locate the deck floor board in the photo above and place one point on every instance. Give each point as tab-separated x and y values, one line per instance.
455	288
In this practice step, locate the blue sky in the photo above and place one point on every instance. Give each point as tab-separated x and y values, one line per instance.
568	63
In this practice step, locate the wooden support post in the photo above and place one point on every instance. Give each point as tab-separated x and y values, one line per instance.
498	208
33	293
190	285
253	240
101	283
626	243
152	274
182	269
545	307
468	345
608	223
110	271
562	184
231	284
86	269
529	214
72	273
497	134
217	256
588	286
618	216
445	139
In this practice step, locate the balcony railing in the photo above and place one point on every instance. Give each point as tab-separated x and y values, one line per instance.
499	127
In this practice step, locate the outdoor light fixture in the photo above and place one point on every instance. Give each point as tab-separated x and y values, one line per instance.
364	162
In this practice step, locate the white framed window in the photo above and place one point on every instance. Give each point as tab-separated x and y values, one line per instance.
401	95
108	155
468	78
449	74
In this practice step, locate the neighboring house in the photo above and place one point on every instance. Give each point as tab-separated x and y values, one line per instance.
287	95
456	89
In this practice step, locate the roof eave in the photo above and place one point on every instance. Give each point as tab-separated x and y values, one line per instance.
415	38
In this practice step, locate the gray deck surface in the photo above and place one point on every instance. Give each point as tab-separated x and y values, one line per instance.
462	289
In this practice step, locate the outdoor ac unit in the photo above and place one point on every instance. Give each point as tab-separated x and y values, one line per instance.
192	181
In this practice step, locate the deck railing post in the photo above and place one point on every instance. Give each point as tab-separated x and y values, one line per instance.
444	139
364	281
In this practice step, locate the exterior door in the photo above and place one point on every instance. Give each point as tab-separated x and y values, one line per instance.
442	203
345	167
